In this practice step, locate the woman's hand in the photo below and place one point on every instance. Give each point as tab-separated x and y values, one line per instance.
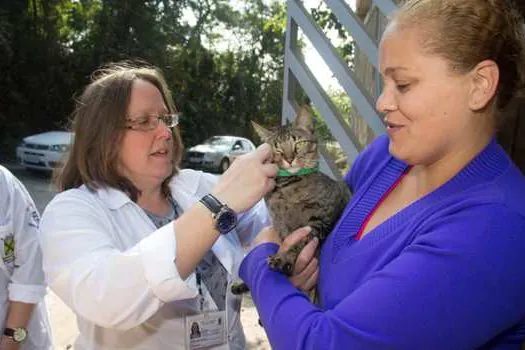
306	270
247	180
7	343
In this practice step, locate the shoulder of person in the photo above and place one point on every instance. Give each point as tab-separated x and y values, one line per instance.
7	179
194	180
73	199
369	159
11	187
508	190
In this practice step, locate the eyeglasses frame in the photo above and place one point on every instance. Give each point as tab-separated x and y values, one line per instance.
171	120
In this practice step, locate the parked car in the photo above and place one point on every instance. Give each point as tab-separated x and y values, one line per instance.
44	151
217	153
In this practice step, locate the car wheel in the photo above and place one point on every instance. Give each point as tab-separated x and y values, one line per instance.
225	164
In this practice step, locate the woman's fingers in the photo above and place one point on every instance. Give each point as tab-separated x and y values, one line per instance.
270	169
263	153
295	237
306	265
312	281
307	278
247	180
306	255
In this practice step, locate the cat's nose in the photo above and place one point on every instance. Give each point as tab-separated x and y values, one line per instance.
289	158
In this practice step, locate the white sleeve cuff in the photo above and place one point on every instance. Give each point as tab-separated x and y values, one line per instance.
24	293
164	279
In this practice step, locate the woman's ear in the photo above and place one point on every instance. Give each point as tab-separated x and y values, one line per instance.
485	79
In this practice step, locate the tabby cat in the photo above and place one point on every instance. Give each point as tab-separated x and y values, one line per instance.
303	196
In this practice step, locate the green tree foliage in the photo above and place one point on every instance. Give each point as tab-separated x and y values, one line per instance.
50	47
328	21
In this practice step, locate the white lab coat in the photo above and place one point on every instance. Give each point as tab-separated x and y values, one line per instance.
106	260
21	275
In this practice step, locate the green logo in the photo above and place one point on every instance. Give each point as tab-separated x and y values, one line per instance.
9	248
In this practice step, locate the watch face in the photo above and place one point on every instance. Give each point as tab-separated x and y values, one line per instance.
19	335
226	221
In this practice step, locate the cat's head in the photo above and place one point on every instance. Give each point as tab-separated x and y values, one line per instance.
294	145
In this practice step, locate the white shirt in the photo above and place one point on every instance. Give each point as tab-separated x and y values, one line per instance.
21	275
106	260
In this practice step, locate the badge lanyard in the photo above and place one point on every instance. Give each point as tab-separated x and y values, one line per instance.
208	328
199	287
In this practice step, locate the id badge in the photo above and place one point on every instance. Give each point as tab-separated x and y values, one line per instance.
206	330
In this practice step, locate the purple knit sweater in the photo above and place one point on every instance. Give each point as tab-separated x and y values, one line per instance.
446	272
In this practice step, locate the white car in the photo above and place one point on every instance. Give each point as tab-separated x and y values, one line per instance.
217	153
44	151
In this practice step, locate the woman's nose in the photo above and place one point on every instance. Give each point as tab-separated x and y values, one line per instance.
164	131
385	102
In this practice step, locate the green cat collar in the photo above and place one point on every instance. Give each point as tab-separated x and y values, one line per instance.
303	171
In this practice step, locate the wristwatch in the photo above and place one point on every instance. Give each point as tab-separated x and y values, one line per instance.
224	218
17	334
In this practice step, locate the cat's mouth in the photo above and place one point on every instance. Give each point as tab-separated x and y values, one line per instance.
293	170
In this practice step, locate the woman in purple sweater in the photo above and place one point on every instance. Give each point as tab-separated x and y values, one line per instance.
430	252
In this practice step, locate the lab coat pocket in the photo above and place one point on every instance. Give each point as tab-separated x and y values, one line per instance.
7	249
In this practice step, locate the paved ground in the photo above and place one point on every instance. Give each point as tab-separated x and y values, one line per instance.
63	320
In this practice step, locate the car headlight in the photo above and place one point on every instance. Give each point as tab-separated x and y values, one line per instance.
59	148
22	144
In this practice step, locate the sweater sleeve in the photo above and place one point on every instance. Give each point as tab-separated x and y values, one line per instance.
457	285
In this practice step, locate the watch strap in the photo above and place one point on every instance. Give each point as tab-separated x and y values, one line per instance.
212	203
10	332
224	218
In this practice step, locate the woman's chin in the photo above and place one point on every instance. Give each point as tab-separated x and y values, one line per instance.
398	152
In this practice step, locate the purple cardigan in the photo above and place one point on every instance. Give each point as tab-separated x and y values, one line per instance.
446	272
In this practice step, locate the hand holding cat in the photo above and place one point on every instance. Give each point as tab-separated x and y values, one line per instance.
247	180
306	270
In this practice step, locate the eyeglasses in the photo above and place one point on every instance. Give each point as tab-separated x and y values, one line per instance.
147	123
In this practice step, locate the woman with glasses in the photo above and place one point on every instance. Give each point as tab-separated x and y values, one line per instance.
137	248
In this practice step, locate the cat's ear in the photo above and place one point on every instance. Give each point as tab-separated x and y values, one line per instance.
304	120
261	131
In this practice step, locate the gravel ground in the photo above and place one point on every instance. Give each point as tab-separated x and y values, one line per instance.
65	327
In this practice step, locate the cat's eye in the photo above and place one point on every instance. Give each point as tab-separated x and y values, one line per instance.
300	145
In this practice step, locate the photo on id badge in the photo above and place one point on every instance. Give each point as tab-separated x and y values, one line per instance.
206	330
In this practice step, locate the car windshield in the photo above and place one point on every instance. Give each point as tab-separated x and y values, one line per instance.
219	141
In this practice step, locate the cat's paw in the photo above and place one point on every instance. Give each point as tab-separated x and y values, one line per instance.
277	263
238	288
